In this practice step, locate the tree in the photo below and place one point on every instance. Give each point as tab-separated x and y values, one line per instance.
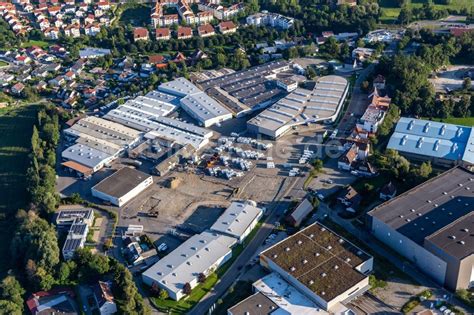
187	288
35	240
9	308
461	107
163	295
12	291
318	165
201	277
310	72
466	83
405	16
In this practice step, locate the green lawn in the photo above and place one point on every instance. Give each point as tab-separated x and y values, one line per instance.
183	306
137	15
15	129
3	63
39	43
390	9
467	121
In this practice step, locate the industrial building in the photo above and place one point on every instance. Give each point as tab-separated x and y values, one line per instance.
286	298
248	90
441	143
76	238
152	105
122	186
431	225
201	254
77	220
238	220
196	103
321	265
96	143
302	106
67	216
98	128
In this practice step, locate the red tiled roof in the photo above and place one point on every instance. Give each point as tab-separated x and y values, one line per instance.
205	29
227	25
162	32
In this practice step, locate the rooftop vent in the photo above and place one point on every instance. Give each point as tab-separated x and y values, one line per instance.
462	242
453	237
323	274
292	269
287	249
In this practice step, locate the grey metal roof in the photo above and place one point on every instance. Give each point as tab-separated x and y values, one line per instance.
433	139
191	258
69	215
179	87
456	239
203	107
303	105
236	219
257	304
431	206
85	155
121	182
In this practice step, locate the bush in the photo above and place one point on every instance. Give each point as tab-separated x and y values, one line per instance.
466	296
410	305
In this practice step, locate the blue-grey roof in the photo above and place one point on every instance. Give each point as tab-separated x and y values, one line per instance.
433	139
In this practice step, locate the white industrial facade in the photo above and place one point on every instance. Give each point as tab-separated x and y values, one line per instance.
302	106
202	253
122	186
324	267
238	220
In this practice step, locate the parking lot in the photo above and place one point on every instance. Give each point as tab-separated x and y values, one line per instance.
451	79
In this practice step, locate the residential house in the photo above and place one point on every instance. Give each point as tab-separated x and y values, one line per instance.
227	27
17	88
140	33
163	33
206	30
104	298
388	191
184	32
351	199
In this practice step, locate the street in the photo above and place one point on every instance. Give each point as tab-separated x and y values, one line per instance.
407	267
275	214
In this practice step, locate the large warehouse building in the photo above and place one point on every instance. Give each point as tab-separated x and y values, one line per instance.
196	103
97	142
441	143
320	264
302	106
123	185
201	254
432	225
238	220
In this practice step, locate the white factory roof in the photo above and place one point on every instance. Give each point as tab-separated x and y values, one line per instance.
103	129
85	155
184	126
100	145
179	87
287	297
236	219
303	105
202	107
163	127
191	258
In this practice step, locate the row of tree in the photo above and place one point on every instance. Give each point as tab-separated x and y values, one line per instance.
35	253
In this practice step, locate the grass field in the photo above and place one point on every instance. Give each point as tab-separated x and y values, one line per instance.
39	43
390	9
468	121
3	63
15	130
137	15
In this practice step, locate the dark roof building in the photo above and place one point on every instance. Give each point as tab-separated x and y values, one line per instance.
257	304
321	265
122	186
432	226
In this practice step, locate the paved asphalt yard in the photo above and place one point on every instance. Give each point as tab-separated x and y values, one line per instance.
275	214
